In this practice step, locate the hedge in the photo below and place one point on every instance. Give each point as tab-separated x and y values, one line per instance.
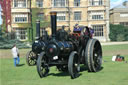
118	33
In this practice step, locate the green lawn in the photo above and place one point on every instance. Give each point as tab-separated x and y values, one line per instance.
111	50
113	73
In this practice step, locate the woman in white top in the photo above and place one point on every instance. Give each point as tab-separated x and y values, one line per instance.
15	53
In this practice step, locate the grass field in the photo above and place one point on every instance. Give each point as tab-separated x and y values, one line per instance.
113	73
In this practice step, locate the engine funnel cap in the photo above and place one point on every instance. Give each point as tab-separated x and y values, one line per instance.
53	13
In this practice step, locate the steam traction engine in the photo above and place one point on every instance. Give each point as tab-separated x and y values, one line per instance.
67	51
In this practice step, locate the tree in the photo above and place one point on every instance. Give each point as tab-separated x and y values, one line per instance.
44	20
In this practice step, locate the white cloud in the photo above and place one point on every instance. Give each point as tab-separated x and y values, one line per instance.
116	3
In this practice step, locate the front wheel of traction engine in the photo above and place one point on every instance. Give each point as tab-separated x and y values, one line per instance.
93	55
31	58
74	65
42	66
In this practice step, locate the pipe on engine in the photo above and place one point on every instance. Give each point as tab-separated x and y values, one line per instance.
53	24
37	29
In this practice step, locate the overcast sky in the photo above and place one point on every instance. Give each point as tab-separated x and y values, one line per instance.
113	3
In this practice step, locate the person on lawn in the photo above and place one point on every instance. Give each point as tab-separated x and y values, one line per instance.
15	53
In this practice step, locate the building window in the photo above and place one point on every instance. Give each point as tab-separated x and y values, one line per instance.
20	18
21	34
59	3
97	17
76	2
98	30
77	16
40	16
61	16
20	3
124	15
39	3
100	2
96	2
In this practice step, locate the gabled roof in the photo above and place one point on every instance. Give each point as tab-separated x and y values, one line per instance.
121	5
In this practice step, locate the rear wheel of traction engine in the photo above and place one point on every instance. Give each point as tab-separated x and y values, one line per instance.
31	58
42	66
93	55
74	65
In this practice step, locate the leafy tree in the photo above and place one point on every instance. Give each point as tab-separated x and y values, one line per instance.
44	21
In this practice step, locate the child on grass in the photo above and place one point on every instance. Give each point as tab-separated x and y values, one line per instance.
15	53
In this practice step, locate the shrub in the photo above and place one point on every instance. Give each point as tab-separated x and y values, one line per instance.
118	33
120	37
6	42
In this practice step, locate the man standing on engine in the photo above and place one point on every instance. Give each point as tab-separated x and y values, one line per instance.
77	28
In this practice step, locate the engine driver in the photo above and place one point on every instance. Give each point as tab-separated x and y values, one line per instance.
77	28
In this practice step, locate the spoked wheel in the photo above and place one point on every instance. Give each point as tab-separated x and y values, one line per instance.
93	55
31	58
42	66
74	65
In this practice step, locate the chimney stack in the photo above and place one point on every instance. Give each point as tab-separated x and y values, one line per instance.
125	3
37	29
53	24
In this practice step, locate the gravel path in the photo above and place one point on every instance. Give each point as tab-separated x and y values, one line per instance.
114	43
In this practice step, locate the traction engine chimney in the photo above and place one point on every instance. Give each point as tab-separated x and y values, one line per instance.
37	29
53	24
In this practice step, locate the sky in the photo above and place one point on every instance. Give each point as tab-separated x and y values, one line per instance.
113	3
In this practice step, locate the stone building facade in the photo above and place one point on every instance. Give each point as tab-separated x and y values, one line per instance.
92	13
119	14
